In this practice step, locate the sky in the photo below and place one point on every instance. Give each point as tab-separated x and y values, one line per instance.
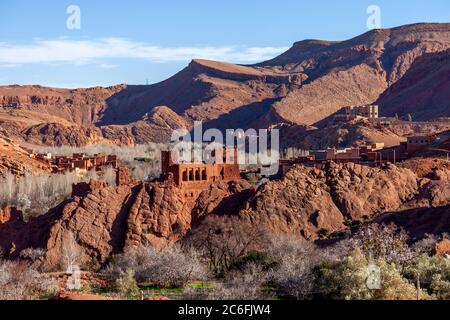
84	43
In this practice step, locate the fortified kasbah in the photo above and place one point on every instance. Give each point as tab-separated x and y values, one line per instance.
193	178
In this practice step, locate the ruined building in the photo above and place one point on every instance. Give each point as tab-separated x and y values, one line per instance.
194	178
84	188
350	113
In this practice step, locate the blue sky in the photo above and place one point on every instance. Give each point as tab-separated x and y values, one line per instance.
135	40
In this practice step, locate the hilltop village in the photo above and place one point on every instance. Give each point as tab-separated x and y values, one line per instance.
193	178
369	154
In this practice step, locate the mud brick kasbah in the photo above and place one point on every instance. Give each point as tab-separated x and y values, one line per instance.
193	178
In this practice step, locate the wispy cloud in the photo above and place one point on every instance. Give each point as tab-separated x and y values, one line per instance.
108	66
96	51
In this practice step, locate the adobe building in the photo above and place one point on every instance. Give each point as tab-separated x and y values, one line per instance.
368	155
194	178
122	178
81	163
416	143
350	113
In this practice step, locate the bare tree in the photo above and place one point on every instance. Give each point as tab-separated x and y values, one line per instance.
109	176
222	241
167	267
36	194
20	282
293	274
242	285
70	252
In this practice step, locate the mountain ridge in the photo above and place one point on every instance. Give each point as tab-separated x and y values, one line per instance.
302	86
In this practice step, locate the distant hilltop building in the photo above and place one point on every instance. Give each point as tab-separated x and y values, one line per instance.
369	155
350	113
416	143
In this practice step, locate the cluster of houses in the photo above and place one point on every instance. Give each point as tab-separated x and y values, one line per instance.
373	155
79	163
350	113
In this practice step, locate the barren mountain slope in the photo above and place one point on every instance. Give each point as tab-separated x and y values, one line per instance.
352	72
424	90
309	82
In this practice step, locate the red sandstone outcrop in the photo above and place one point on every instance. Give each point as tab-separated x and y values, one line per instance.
299	204
96	221
360	191
56	134
312	202
419	221
159	215
222	198
106	220
307	202
338	135
17	161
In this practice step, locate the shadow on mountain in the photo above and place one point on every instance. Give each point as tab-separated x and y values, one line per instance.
420	221
243	117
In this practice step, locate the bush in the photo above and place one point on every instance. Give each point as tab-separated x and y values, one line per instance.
347	280
168	267
32	254
293	274
126	284
386	242
242	285
19	282
224	240
433	273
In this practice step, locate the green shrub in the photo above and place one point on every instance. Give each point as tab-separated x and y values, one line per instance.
261	259
126	284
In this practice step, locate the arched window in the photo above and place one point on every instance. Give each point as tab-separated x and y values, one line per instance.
191	174
185	176
204	176
197	175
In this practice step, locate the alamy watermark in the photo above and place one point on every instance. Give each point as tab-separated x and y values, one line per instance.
374	19
253	147
74	279
373	281
73	22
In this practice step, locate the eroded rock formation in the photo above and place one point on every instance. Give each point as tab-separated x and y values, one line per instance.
306	202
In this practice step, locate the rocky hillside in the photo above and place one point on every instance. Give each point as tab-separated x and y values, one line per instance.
106	220
339	135
304	85
317	203
15	160
426	83
307	202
